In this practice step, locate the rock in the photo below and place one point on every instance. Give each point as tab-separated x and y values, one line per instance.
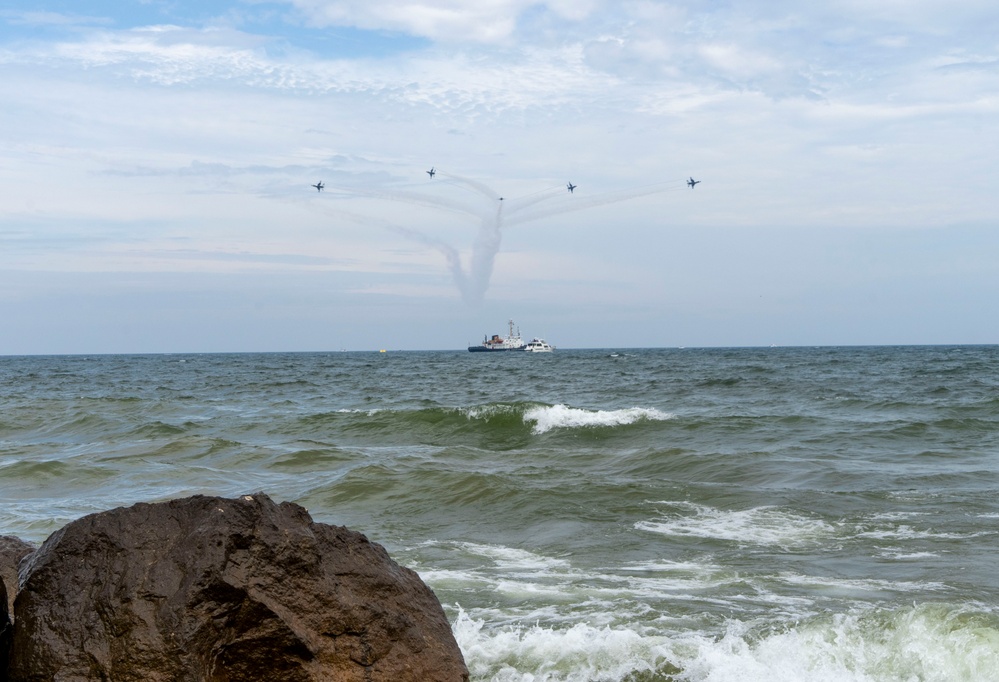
215	589
6	633
12	550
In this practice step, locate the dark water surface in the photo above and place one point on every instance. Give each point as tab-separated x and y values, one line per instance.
594	515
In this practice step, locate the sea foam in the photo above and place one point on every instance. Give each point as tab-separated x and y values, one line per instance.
759	525
929	642
536	653
546	418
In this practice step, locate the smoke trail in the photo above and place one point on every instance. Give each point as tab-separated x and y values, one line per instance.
487	245
574	204
479	187
473	283
403	196
487	242
451	255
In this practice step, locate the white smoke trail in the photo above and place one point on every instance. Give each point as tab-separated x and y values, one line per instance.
581	203
479	187
473	283
484	250
403	196
451	255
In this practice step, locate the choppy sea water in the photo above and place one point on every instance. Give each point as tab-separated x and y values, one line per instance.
692	515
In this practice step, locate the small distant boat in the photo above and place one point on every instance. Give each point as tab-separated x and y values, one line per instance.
497	343
538	346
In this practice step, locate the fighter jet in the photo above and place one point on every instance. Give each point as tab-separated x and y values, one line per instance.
692	182
431	172
319	186
570	187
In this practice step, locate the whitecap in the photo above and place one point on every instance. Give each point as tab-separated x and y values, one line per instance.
923	642
512	558
932	642
759	525
546	418
853	586
488	411
904	532
579	652
907	556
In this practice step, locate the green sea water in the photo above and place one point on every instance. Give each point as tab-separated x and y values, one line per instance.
587	515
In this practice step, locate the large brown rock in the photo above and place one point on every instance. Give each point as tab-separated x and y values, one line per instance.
12	550
207	588
6	633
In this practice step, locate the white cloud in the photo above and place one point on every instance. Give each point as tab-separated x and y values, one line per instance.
455	21
738	61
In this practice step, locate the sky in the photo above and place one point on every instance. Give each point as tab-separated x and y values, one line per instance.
159	156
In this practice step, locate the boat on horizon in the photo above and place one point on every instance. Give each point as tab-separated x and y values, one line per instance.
537	345
512	342
498	343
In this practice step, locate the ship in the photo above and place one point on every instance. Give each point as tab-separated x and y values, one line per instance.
537	345
497	343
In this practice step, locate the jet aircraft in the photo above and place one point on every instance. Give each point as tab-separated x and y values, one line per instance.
319	186
570	187
431	172
692	182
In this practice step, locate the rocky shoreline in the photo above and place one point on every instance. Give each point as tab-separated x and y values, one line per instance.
210	588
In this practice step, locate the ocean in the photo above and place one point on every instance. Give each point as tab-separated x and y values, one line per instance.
694	515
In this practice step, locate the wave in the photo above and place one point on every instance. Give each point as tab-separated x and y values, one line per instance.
581	652
761	525
493	421
941	642
549	417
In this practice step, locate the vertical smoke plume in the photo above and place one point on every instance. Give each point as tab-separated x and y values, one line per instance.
484	250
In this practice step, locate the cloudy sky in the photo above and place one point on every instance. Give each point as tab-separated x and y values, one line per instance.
158	156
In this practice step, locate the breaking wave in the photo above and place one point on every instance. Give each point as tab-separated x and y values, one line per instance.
546	418
923	642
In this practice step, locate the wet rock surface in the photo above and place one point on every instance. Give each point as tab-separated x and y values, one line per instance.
12	550
209	588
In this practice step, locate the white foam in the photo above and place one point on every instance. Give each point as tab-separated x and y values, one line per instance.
909	533
935	642
861	585
897	515
760	525
369	413
546	418
939	642
512	558
672	566
906	556
487	411
537	653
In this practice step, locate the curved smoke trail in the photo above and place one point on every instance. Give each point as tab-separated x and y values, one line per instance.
451	255
473	283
